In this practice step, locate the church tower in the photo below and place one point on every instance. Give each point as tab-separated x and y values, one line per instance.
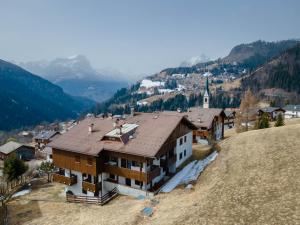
206	95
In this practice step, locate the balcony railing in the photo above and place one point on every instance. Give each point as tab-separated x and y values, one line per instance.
154	172
88	186
132	174
64	180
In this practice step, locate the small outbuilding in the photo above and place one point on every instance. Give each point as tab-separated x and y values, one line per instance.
23	151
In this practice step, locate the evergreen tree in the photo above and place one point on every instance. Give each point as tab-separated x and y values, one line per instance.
263	121
279	120
14	167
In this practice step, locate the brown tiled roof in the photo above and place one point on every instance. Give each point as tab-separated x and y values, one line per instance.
151	133
204	117
201	117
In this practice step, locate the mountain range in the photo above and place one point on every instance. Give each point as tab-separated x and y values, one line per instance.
257	53
273	67
27	99
278	78
78	78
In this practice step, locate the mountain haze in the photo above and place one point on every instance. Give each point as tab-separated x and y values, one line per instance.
77	77
27	99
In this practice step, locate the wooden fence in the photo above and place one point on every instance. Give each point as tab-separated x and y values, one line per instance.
93	200
10	186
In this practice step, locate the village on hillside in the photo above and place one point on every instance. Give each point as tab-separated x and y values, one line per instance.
112	161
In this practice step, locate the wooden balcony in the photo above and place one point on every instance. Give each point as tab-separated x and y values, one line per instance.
124	172
201	133
155	171
132	174
88	186
64	180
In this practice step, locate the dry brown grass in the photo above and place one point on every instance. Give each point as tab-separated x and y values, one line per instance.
227	86
46	205
254	180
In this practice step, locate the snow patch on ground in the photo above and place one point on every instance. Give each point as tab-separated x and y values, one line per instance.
189	173
149	83
21	193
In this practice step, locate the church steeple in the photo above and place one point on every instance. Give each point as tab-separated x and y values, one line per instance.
206	95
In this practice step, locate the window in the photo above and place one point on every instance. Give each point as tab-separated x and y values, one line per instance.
77	159
114	159
90	161
184	153
123	163
184	139
112	176
50	156
180	141
138	183
180	156
136	164
128	182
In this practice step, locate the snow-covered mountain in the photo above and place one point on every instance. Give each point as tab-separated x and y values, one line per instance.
77	77
194	60
60	69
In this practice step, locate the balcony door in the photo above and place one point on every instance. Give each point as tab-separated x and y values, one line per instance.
128	182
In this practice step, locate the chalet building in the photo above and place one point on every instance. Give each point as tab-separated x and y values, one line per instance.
41	140
22	151
230	118
136	155
292	111
272	112
209	123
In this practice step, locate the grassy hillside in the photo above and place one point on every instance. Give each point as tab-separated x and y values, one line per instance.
255	180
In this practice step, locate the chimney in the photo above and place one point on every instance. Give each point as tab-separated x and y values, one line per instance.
91	128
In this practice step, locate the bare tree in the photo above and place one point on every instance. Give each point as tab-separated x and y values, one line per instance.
247	111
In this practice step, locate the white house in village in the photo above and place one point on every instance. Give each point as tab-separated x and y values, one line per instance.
292	111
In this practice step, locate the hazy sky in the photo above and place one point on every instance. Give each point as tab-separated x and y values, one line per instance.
139	36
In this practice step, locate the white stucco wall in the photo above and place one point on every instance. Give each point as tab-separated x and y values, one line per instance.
291	114
75	188
185	146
